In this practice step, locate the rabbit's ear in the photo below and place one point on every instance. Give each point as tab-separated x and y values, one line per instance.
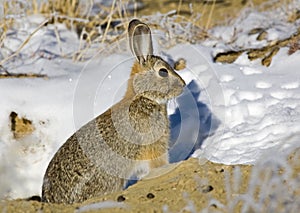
140	40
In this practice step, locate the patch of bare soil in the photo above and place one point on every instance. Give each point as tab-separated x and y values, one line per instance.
265	54
191	185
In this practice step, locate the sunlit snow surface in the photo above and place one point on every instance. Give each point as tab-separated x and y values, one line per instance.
229	113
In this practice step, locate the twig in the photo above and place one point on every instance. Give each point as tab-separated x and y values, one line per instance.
109	21
24	43
179	7
22	75
58	39
210	14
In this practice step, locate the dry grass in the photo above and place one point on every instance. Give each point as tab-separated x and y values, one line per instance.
100	27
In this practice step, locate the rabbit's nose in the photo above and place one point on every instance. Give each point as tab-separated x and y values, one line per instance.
182	82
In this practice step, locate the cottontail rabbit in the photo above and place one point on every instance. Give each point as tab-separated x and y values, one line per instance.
127	140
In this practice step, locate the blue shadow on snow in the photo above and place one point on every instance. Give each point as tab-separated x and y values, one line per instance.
191	124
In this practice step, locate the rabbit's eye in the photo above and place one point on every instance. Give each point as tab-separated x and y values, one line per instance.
163	72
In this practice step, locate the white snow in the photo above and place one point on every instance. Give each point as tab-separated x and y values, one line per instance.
230	113
101	205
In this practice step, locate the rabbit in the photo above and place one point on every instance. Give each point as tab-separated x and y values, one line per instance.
127	140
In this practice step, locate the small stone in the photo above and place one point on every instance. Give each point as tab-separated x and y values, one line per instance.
214	205
150	196
34	198
180	64
207	189
121	198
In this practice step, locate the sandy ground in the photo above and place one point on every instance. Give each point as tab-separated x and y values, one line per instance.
188	186
188	181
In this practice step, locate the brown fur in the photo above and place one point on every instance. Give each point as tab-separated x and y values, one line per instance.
124	142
